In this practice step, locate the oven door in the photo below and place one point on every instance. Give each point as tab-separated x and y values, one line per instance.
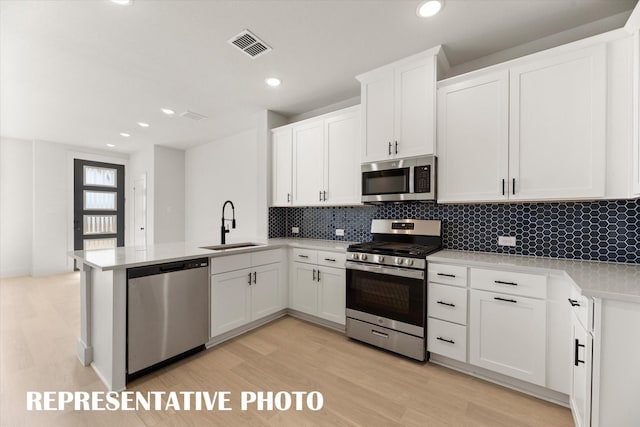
389	296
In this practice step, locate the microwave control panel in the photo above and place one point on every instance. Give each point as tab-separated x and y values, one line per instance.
422	179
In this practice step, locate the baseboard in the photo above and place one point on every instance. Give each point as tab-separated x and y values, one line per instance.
85	353
503	380
316	320
245	328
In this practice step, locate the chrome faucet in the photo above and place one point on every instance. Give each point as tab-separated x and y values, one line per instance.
225	229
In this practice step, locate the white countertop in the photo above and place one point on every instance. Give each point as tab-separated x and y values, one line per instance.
137	256
595	279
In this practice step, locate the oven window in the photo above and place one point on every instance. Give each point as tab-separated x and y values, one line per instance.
393	297
391	181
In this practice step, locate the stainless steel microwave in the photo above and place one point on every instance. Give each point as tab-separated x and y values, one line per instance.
399	180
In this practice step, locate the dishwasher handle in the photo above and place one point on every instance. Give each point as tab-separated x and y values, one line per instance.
168	267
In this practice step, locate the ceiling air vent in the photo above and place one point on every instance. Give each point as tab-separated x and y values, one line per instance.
249	43
193	116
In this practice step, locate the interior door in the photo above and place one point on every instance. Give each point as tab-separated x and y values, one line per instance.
98	205
140	211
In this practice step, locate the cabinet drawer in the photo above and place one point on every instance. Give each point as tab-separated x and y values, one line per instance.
332	259
447	303
266	257
227	263
447	274
529	285
580	306
304	255
447	339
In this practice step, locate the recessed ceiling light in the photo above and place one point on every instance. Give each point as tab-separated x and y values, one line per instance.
429	8
111	145
167	111
126	135
143	124
122	2
273	81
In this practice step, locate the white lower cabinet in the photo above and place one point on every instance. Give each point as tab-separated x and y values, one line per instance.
447	311
581	365
447	339
316	289
247	293
508	335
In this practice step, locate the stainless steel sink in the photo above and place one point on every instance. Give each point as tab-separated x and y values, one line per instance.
230	246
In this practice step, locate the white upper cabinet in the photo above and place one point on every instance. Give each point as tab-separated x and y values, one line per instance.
473	132
308	168
558	126
322	164
535	131
282	167
398	108
342	159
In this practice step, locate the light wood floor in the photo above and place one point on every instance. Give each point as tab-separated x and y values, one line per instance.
362	386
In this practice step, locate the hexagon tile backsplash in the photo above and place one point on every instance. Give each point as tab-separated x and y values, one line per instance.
602	230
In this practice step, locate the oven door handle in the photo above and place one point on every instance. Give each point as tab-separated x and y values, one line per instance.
391	271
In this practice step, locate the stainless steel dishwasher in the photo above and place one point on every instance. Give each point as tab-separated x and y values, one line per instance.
167	313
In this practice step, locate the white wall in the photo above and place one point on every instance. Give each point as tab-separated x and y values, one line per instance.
45	203
169	197
226	169
141	162
16	212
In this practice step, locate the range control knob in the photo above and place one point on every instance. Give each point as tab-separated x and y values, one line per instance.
355	256
399	261
363	257
380	258
409	262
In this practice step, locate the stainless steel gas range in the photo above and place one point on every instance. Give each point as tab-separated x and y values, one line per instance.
387	285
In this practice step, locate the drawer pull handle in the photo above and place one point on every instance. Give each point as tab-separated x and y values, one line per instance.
576	359
380	334
445	340
448	304
447	275
330	259
505	299
574	303
500	282
303	256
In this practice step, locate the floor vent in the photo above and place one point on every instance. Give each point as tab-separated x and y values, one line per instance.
249	43
193	116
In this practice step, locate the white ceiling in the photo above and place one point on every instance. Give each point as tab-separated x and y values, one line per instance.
81	72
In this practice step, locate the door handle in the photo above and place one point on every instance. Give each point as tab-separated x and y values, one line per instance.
503	186
320	196
314	274
445	340
288	197
249	278
505	299
396	147
513	186
447	275
255	277
448	304
389	147
500	282
324	195
318	275
380	334
574	303
576	358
